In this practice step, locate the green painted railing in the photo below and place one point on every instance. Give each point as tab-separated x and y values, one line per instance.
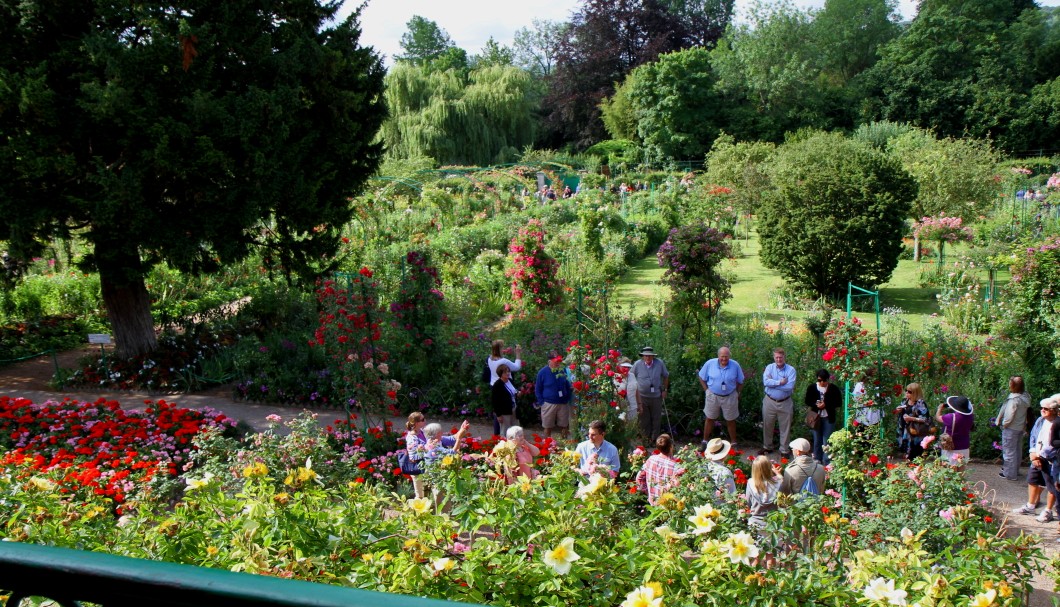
71	576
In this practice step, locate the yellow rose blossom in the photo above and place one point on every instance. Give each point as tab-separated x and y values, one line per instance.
420	505
642	597
703	519
443	564
211	550
1004	590
742	548
255	470
984	599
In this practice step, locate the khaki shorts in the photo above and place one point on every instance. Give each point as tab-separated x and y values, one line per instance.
553	415
714	406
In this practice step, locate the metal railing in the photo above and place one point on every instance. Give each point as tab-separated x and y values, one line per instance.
69	577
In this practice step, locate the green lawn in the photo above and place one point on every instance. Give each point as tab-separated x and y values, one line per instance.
640	289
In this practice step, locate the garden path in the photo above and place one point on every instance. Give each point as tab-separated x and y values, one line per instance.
30	379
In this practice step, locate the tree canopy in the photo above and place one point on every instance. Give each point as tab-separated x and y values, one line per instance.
192	132
836	214
424	41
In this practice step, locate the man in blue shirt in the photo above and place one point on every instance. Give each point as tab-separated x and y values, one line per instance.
553	390
597	452
777	406
722	379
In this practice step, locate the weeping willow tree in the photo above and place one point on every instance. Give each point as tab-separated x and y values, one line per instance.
478	119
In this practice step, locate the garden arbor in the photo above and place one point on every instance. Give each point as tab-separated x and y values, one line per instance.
191	132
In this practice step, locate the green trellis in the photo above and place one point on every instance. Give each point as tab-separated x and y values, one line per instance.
856	292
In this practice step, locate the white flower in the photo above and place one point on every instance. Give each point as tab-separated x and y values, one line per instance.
420	505
443	564
596	482
883	590
742	548
622	416
668	534
197	483
560	557
703	519
907	535
644	596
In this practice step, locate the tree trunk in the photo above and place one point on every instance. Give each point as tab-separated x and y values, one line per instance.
128	303
916	246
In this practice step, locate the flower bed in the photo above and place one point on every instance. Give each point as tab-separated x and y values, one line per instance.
79	448
325	505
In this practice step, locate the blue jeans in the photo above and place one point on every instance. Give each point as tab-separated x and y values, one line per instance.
824	429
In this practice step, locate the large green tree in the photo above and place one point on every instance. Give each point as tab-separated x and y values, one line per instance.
193	132
836	214
480	118
424	41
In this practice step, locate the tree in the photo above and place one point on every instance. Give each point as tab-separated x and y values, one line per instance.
692	255
424	41
741	166
677	111
607	39
493	54
456	118
837	214
534	48
704	21
617	112
849	34
194	133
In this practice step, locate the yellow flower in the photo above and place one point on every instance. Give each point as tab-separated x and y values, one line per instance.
281	498
742	548
211	550
560	557
668	534
984	599
595	484
368	557
42	484
666	500
1004	590
572	456
255	470
656	586
299	477
197	483
448	461
644	596
420	505
703	519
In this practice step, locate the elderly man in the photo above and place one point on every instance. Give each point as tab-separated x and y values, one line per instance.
802	468
1044	438
652	380
722	379
553	391
597	452
777	405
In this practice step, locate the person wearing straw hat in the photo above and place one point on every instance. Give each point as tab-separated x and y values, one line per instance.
958	424
716	450
653	380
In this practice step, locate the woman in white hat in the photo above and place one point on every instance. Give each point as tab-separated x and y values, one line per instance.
717	450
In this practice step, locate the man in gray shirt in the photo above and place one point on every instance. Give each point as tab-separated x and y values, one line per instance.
652	382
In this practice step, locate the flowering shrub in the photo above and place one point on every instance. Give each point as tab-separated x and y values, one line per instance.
349	332
943	229
692	255
848	350
86	449
416	316
533	272
287	506
595	375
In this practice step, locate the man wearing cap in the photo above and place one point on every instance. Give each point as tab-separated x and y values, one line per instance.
653	380
716	450
1044	441
802	468
777	405
722	379
553	390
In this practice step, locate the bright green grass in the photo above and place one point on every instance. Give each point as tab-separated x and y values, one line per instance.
640	289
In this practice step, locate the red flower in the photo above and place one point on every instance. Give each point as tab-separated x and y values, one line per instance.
366	272
874	459
829	355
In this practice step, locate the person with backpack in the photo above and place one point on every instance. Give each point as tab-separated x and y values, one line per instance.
803	475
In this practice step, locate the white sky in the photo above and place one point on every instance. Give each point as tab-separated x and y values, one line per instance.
471	22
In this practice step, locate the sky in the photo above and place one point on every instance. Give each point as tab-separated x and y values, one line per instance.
471	22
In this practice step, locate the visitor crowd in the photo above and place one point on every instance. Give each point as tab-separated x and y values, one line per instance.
646	384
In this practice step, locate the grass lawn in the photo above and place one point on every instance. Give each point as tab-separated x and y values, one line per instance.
640	289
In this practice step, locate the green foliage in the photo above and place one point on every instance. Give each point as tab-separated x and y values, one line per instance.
955	177
192	134
677	111
836	214
880	133
1033	316
617	113
692	255
424	41
849	34
458	118
741	167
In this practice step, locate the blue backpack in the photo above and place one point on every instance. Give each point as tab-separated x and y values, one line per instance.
809	485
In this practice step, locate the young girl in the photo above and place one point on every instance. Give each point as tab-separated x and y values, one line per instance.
762	491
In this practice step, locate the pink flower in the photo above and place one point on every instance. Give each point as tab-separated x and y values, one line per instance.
273	418
924	444
946	514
